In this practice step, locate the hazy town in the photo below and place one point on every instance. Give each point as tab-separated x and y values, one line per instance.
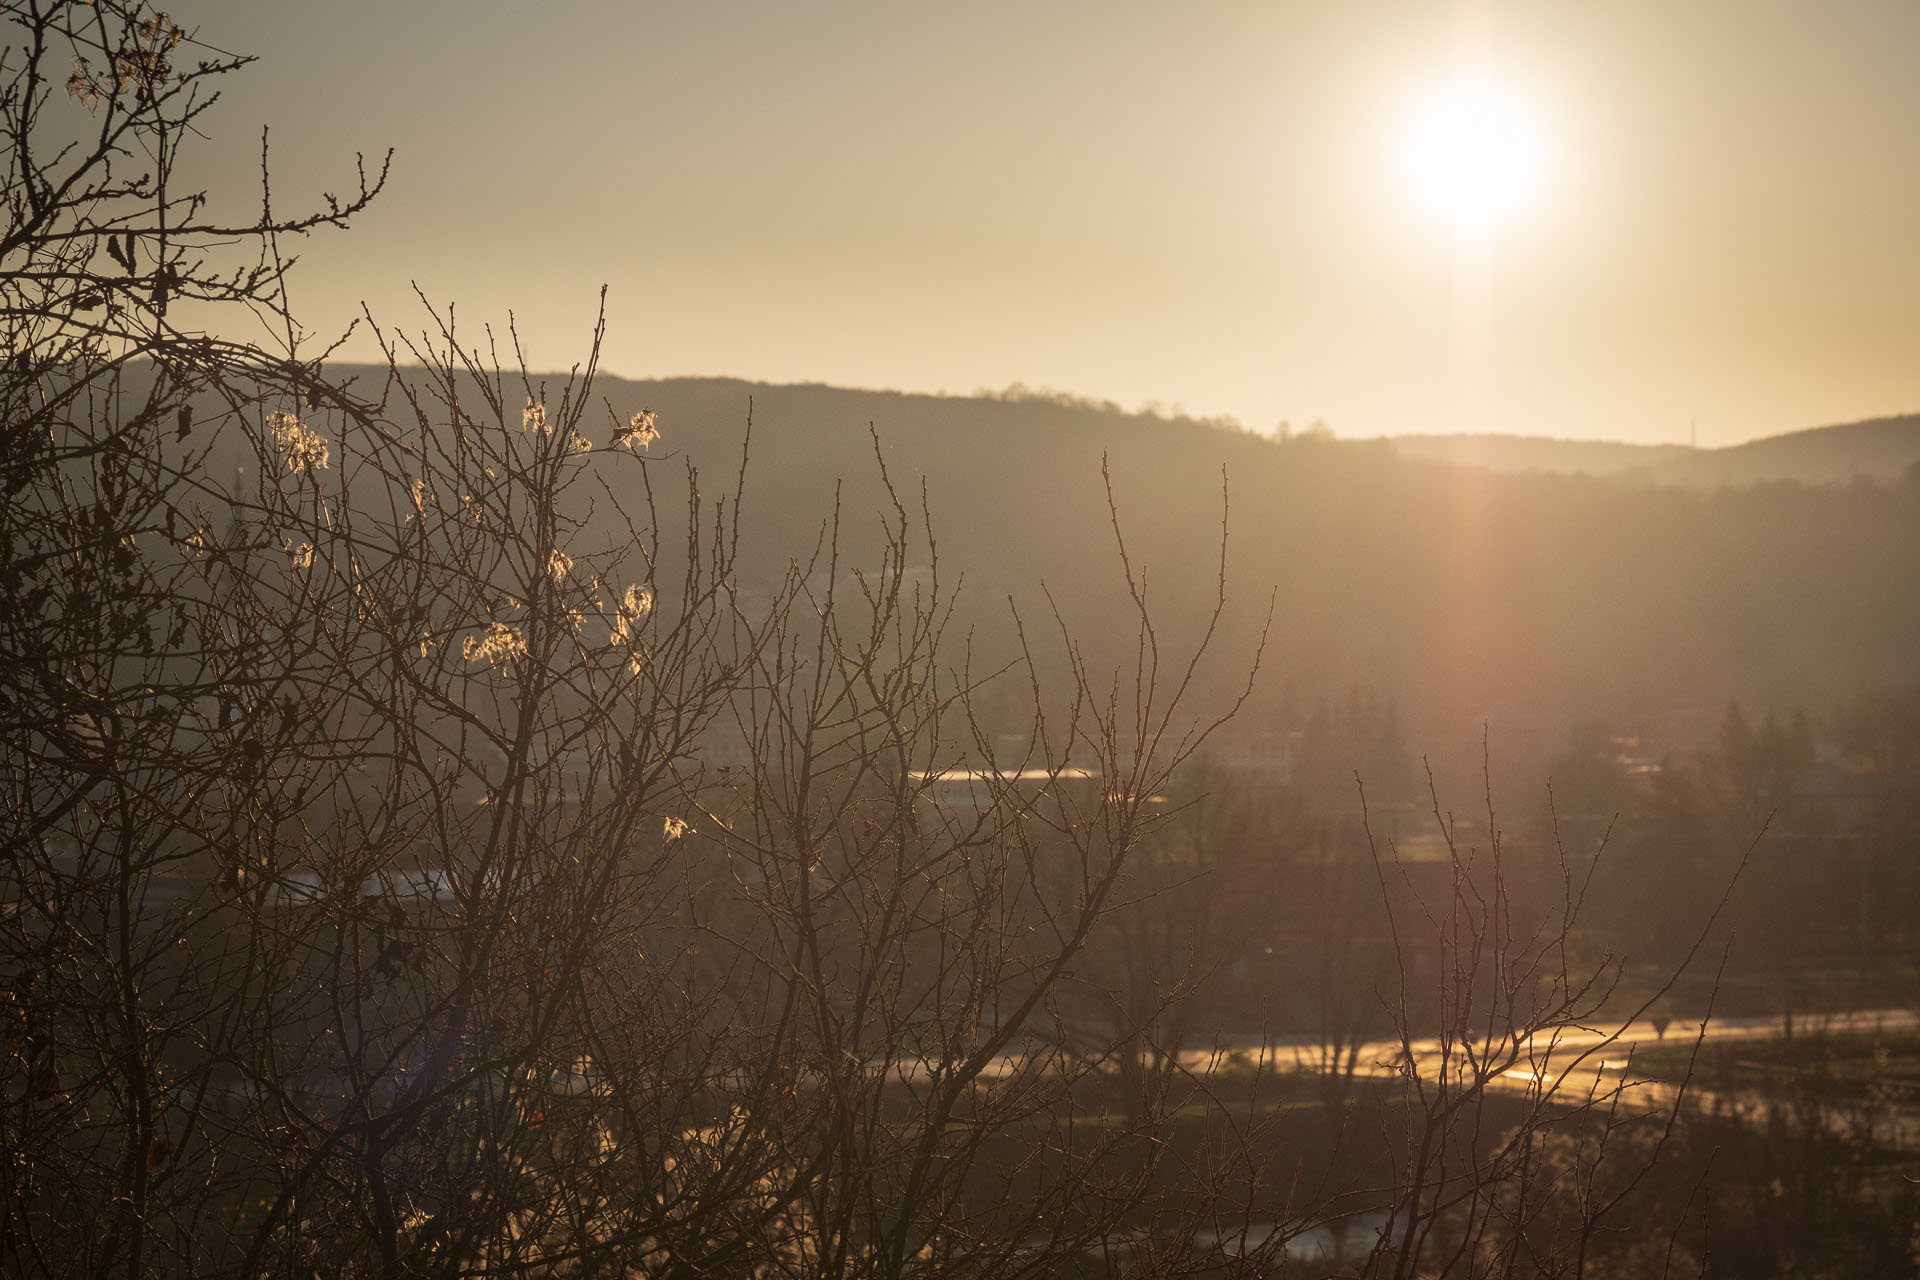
577	702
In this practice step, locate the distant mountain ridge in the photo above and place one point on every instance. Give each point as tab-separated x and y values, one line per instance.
1876	449
1553	598
1879	449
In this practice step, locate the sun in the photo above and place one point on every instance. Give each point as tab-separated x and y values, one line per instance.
1473	154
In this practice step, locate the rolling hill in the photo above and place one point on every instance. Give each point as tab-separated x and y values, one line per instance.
1526	594
1877	449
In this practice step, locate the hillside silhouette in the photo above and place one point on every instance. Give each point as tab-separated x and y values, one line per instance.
1463	595
1875	449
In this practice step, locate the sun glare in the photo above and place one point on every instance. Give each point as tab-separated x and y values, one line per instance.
1474	155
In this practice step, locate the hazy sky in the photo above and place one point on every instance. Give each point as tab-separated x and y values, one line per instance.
1199	203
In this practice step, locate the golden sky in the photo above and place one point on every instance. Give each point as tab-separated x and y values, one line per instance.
1200	204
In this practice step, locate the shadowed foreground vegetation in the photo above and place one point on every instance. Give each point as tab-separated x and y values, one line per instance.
450	832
